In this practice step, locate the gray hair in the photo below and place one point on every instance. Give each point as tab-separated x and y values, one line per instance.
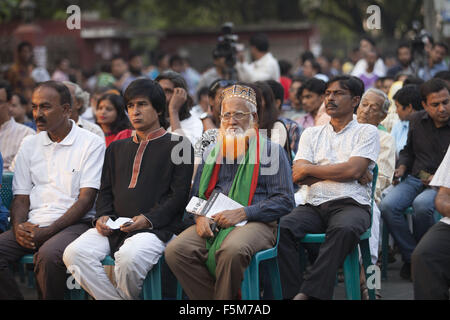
80	95
381	94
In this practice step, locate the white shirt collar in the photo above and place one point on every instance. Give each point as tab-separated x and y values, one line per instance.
67	141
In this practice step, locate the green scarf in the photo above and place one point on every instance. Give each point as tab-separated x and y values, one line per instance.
242	188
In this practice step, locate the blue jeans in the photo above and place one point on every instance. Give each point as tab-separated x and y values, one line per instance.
411	191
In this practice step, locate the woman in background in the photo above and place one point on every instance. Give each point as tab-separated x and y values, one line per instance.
111	116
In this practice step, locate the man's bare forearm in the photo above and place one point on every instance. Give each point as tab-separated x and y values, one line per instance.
77	211
20	207
309	181
341	172
442	201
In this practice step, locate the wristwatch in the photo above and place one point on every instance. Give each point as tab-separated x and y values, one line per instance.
205	115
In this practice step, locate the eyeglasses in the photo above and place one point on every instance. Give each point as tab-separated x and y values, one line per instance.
236	115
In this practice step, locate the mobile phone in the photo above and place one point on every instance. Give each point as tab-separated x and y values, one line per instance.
423	175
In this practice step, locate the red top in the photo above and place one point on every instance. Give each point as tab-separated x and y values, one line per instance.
286	83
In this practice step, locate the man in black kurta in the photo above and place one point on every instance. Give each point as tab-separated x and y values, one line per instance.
146	178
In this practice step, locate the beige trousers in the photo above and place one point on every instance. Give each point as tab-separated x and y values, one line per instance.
186	256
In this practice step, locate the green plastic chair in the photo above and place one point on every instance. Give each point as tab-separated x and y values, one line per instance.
73	294
351	264
250	283
151	289
385	241
6	189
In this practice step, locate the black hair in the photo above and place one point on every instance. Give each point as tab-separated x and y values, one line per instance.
260	42
403	45
63	91
444	75
382	79
116	57
369	39
178	82
285	67
5	85
175	58
268	112
413	80
441	44
202	92
217	84
432	86
351	83
24	44
407	95
134	54
299	78
153	92
314	85
277	89
307	55
122	122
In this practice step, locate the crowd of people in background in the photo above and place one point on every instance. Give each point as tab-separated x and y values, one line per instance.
397	116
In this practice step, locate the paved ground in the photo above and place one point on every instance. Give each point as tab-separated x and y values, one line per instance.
394	288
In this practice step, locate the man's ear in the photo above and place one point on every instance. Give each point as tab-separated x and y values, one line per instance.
409	108
383	116
355	101
67	109
424	105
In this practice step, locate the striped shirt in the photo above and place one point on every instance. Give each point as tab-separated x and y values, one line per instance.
11	136
274	194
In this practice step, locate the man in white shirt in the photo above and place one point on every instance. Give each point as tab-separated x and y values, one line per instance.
335	160
431	257
57	175
11	132
373	109
264	65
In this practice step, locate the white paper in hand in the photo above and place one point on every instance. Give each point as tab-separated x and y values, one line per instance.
117	223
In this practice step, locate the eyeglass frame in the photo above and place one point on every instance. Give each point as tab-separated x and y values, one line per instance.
233	115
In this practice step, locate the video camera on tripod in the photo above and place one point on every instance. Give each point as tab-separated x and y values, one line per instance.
420	40
227	47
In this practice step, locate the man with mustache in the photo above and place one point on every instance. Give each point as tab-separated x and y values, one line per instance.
428	141
253	171
56	178
335	160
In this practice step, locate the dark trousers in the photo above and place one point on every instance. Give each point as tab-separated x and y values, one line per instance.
49	267
431	264
343	221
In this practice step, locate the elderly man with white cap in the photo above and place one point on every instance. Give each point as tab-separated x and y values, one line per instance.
251	170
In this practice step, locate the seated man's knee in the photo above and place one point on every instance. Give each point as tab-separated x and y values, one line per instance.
175	249
423	205
234	252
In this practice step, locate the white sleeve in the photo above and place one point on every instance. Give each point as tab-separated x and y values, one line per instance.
22	183
368	144
264	71
91	171
279	134
305	151
442	177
